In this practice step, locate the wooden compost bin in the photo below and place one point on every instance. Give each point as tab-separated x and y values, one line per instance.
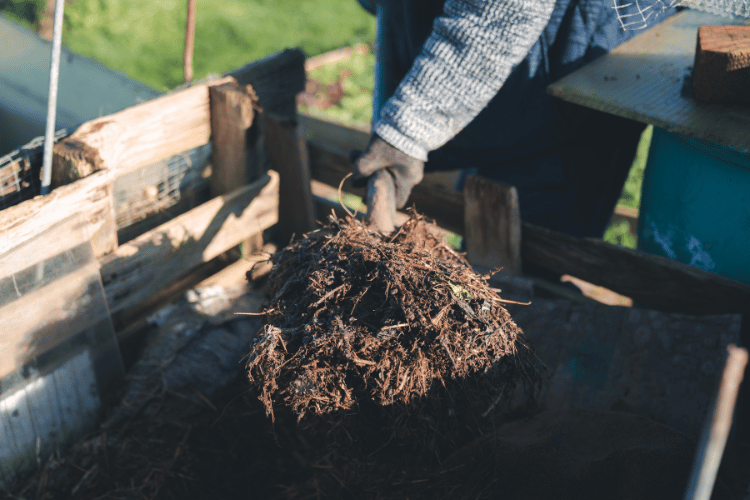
143	273
140	275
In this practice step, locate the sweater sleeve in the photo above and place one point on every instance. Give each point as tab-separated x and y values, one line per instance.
468	56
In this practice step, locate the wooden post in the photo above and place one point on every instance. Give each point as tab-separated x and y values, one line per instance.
287	150
232	163
231	117
492	224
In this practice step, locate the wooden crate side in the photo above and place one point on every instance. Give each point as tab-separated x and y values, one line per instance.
91	197
139	268
137	136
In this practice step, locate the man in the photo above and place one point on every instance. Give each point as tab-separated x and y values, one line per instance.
473	75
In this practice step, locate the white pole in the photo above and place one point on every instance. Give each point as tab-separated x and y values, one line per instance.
715	433
54	77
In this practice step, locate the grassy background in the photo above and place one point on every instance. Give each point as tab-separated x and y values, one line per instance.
144	39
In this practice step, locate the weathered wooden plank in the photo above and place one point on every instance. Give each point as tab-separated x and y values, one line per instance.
91	197
649	279
276	79
41	319
492	224
137	136
286	150
231	117
139	268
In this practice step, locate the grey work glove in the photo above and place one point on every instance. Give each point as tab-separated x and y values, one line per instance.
405	170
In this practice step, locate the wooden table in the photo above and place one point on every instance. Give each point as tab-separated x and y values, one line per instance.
648	79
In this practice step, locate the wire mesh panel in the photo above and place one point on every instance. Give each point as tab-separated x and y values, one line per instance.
640	14
158	192
20	170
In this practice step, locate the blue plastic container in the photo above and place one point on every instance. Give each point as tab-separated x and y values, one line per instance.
695	204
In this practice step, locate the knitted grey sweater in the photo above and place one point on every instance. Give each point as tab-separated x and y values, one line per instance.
471	51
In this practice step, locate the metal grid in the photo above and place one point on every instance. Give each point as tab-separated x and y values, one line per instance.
20	171
641	14
160	186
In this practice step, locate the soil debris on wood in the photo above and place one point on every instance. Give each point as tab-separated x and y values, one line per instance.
399	325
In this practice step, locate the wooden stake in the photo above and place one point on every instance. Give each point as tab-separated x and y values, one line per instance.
189	41
287	151
231	117
492	225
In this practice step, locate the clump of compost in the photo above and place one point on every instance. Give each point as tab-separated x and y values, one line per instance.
360	322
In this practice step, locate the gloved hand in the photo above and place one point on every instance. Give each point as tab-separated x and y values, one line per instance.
405	170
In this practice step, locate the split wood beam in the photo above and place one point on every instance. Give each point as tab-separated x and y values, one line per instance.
139	268
277	79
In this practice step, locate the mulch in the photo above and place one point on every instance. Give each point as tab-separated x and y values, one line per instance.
372	337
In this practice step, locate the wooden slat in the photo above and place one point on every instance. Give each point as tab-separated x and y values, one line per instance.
137	136
139	268
231	117
655	281
492	225
287	153
647	279
91	197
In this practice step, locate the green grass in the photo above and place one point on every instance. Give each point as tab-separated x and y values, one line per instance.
356	105
145	39
621	233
